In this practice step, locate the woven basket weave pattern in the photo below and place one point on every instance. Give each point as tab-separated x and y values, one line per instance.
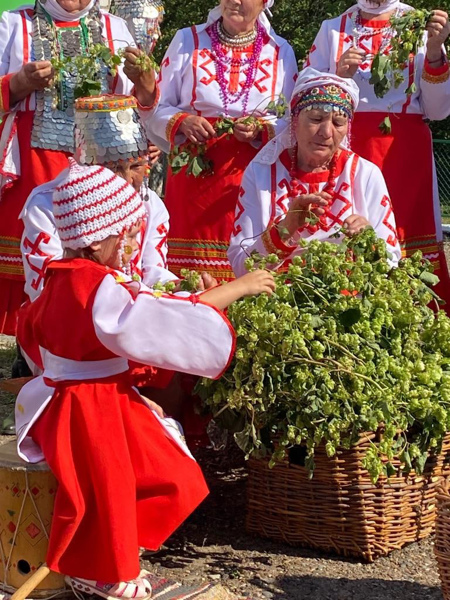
442	541
340	509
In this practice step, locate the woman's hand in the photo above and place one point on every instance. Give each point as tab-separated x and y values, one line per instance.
299	210
144	81
355	224
153	154
349	62
256	282
31	77
438	31
197	129
244	132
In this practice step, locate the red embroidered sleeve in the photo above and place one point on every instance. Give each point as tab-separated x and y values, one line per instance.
267	132
155	101
4	93
275	245
173	126
436	75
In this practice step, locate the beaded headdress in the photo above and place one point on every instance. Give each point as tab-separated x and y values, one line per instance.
328	97
143	18
108	130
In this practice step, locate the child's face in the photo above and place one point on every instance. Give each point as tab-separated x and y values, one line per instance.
107	251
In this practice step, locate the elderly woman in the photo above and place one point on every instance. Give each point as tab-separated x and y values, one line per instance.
233	65
36	136
346	45
309	172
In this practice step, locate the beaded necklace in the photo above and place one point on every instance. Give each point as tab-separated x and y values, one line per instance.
235	63
296	185
361	31
237	41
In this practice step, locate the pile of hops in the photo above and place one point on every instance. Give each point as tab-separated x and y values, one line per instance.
345	345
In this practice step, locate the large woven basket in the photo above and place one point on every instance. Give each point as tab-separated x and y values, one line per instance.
442	541
339	509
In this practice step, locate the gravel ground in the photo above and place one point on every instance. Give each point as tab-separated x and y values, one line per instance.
213	546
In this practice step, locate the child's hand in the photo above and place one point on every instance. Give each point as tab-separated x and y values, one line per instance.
257	282
156	407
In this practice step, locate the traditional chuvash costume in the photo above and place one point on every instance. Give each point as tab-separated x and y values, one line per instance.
272	181
125	477
108	131
208	73
36	135
405	156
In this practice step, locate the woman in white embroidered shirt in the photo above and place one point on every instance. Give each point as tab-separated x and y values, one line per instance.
232	66
308	169
346	45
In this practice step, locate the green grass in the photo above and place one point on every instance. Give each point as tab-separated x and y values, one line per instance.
7	356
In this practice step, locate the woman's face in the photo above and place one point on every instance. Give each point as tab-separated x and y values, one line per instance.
133	172
240	15
319	134
73	5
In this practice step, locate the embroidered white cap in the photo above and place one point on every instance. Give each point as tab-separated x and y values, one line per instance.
92	203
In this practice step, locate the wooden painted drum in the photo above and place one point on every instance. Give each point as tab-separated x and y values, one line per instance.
27	496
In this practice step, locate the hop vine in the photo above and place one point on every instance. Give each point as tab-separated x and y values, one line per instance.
346	345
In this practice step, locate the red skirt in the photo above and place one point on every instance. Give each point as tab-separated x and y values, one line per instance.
123	483
202	209
37	167
406	159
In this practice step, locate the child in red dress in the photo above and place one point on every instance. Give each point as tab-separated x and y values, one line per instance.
126	478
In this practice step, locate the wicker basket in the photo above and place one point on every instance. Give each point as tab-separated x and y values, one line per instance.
442	541
340	509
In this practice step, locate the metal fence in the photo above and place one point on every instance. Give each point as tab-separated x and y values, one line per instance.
442	158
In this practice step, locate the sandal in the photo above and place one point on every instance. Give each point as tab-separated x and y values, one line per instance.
136	589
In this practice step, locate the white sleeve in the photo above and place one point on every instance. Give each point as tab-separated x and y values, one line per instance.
40	242
154	247
6	39
155	274
170	88
435	92
164	331
320	53
380	212
249	225
123	39
288	66
146	114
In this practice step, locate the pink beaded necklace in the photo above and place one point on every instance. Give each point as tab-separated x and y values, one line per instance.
222	61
